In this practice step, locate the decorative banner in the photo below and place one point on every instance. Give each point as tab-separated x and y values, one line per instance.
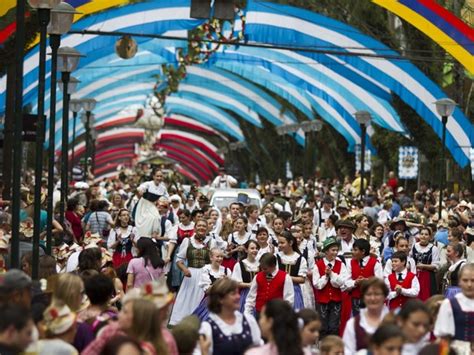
408	162
367	160
472	163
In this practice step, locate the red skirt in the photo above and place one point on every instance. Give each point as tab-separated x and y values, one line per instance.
427	281
119	259
346	311
229	263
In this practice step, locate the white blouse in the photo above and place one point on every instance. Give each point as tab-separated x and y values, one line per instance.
251	267
230	329
151	187
205	281
292	259
434	253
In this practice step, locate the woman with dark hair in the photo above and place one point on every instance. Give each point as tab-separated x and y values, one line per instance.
121	238
279	326
387	339
146	215
228	330
73	215
293	263
147	266
245	270
415	320
426	256
90	259
100	221
359	328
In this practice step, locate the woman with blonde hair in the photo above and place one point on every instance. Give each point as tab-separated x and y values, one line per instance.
141	318
69	290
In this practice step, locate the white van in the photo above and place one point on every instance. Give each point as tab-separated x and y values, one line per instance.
224	197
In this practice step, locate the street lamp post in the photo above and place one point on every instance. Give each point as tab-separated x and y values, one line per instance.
307	127
44	11
363	118
68	60
94	136
88	105
76	106
61	19
445	108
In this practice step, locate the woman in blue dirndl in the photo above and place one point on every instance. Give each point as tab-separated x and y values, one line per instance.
293	263
245	270
210	274
454	253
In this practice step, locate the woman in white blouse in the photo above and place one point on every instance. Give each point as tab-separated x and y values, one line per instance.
227	330
358	329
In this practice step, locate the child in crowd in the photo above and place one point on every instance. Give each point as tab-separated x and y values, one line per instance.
361	267
331	345
415	321
264	242
245	270
454	252
328	278
210	274
293	263
310	325
402	283
401	244
270	283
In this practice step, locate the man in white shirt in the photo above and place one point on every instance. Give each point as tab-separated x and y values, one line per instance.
344	230
223	181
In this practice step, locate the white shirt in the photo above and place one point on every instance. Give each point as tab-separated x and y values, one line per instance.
378	272
413	291
411	265
205	281
113	236
268	249
346	247
337	280
251	267
288	292
151	187
349	337
223	181
445	321
230	329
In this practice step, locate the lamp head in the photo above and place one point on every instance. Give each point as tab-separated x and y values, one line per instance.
445	107
43	4
68	59
75	105
62	16
363	117
88	104
71	86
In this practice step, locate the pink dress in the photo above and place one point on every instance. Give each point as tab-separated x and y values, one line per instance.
141	274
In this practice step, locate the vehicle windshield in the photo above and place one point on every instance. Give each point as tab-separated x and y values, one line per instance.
225	201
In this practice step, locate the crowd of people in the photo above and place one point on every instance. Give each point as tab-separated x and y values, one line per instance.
143	265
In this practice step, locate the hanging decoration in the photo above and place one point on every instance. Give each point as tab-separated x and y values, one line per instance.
203	41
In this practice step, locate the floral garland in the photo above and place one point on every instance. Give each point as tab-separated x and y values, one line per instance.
204	41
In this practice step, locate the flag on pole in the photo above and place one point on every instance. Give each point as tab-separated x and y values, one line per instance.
367	160
408	162
472	163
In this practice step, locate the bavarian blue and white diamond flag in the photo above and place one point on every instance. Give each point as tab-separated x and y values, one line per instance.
367	161
472	163
408	162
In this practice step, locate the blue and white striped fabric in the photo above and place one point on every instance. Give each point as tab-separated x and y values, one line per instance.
408	162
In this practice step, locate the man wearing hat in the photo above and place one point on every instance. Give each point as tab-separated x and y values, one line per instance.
329	275
223	181
345	229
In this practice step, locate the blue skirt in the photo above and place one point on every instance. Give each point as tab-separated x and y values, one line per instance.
201	311
243	297
451	291
299	303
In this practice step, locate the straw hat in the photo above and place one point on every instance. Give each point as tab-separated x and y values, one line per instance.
26	228
59	320
106	257
157	292
94	238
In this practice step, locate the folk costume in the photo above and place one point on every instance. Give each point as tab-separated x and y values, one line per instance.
195	254
146	215
410	288
428	255
244	272
452	279
294	265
